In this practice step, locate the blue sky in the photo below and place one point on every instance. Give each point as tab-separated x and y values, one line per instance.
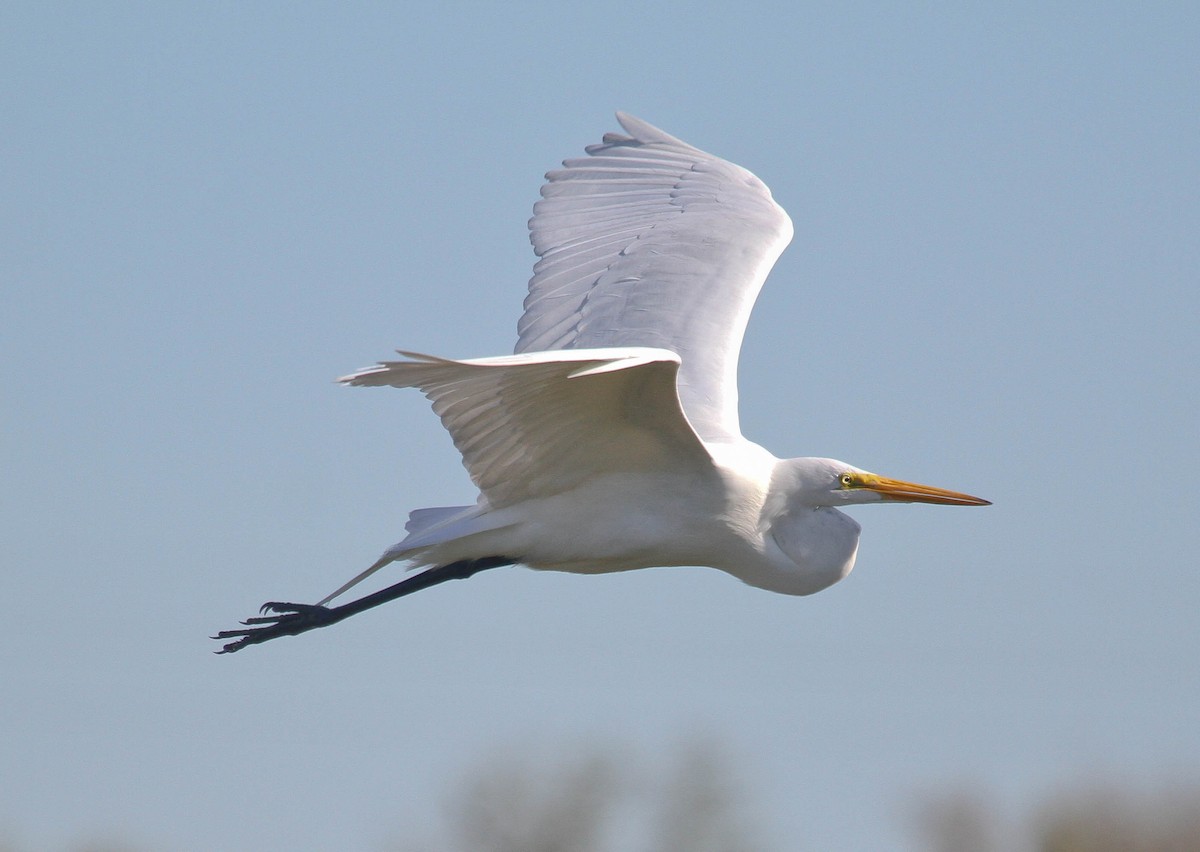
212	210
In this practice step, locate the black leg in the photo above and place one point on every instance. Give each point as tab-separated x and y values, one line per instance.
293	619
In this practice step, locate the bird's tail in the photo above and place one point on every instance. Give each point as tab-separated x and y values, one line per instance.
426	528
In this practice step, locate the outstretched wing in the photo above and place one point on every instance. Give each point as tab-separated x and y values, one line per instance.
651	242
536	425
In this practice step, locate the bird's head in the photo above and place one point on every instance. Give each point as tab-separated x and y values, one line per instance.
829	482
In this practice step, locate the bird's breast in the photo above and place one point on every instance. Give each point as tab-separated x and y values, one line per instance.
807	550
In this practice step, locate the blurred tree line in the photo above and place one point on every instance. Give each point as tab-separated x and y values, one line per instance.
596	803
1099	817
601	801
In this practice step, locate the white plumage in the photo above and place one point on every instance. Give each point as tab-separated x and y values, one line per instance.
651	242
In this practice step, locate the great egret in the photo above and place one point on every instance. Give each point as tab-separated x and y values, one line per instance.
610	440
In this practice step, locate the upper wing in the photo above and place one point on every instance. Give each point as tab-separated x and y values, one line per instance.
531	426
651	242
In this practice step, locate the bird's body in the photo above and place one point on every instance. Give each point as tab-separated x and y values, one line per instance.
610	440
728	514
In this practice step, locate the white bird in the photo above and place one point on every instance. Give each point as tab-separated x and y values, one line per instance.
610	440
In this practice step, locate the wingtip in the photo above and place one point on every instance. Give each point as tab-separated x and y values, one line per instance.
646	133
360	378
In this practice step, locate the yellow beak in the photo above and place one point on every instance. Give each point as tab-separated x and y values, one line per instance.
910	492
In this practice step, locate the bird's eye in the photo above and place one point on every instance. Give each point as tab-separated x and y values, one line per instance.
847	480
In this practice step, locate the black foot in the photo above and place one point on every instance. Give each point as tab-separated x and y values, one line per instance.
292	619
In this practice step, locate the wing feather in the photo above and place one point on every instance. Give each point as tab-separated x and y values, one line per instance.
532	426
650	242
